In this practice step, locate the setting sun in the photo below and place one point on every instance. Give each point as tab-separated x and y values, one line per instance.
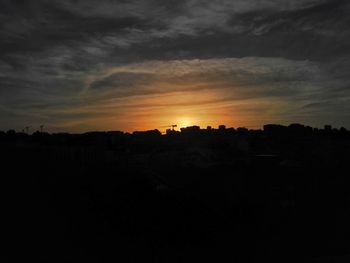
184	122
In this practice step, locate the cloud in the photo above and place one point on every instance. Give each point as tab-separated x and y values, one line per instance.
239	71
124	80
59	56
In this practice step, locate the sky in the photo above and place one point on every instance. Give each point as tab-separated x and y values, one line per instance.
84	65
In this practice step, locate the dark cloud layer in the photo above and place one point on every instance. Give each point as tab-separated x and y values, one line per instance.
56	57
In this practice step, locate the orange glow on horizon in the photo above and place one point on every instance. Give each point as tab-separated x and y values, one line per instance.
203	108
194	103
156	111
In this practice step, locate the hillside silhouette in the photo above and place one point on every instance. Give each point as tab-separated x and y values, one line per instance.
280	194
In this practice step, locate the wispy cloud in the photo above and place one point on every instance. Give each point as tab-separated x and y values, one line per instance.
84	61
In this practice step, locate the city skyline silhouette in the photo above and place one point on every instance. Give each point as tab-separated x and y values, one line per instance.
174	131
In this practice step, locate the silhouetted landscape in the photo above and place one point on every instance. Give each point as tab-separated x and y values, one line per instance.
105	149
280	194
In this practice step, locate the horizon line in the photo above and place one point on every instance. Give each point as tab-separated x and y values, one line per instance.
179	129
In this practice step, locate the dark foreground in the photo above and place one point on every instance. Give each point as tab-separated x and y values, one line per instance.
279	195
